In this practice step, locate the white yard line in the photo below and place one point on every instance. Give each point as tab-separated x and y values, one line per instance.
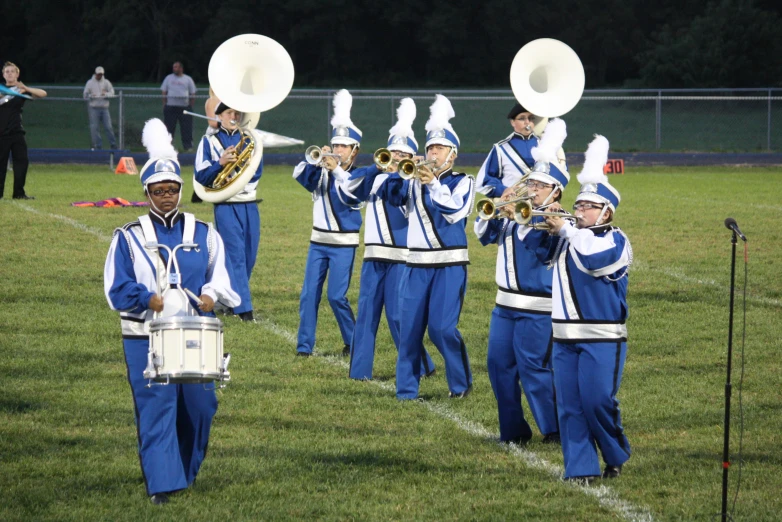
72	222
605	496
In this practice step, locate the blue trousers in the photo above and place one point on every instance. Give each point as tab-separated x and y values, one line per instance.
239	224
520	348
172	422
379	286
587	377
337	263
431	297
100	116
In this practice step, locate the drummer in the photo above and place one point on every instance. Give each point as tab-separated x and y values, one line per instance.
172	421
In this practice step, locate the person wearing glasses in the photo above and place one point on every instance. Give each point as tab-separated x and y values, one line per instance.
589	324
520	341
173	421
511	158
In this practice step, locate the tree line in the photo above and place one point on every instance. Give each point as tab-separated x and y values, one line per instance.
370	44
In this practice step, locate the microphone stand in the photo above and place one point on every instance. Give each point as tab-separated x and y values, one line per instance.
728	386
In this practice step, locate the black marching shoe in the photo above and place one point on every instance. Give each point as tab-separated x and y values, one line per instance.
461	395
552	438
159	498
581	481
303	354
346	351
24	197
247	316
519	441
612	472
430	373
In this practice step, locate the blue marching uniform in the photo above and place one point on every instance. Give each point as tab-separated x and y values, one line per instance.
590	346
385	254
508	161
520	331
336	221
237	219
434	279
172	421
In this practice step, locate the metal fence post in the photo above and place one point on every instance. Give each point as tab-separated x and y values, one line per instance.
768	123
121	121
329	97
658	121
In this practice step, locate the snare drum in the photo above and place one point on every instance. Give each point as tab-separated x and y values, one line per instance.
186	349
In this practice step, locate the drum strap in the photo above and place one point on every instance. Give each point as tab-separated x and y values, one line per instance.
149	229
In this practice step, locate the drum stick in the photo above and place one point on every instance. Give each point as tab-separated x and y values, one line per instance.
194	297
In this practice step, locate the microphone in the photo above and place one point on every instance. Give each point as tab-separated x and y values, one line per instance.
731	224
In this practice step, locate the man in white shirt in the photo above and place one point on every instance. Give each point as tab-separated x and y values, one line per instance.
178	96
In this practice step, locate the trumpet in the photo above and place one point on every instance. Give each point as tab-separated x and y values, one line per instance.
409	169
489	208
523	214
383	158
314	155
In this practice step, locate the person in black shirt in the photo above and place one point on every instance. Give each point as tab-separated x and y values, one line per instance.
11	131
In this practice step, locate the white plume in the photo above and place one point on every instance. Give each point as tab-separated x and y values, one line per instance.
343	102
405	116
439	113
551	142
595	158
157	140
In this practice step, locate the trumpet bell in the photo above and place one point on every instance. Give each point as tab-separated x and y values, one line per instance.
547	77
383	158
251	73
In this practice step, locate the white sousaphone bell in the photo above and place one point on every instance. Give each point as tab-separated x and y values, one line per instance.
547	78
250	73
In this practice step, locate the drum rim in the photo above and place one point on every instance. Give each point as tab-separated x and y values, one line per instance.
203	376
201	323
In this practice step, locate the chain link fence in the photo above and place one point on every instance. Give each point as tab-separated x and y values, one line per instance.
743	120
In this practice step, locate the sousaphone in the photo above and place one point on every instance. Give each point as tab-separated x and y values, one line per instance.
547	78
250	73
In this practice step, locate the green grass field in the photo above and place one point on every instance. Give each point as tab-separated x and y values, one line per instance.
296	439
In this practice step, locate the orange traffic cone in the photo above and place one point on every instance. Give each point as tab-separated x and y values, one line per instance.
126	165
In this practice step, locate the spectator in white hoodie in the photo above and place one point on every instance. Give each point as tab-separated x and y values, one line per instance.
98	91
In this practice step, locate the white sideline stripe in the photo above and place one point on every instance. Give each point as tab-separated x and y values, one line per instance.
72	222
605	496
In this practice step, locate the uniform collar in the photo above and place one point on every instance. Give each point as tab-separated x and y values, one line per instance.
167	222
229	132
517	135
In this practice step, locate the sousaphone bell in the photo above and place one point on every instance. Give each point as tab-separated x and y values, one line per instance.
250	73
547	78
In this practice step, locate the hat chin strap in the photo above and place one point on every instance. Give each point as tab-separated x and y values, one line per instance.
549	199
447	159
168	215
600	217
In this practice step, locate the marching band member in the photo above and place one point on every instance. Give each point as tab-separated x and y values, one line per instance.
172	421
520	331
237	219
210	106
434	280
385	252
336	220
511	158
589	316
